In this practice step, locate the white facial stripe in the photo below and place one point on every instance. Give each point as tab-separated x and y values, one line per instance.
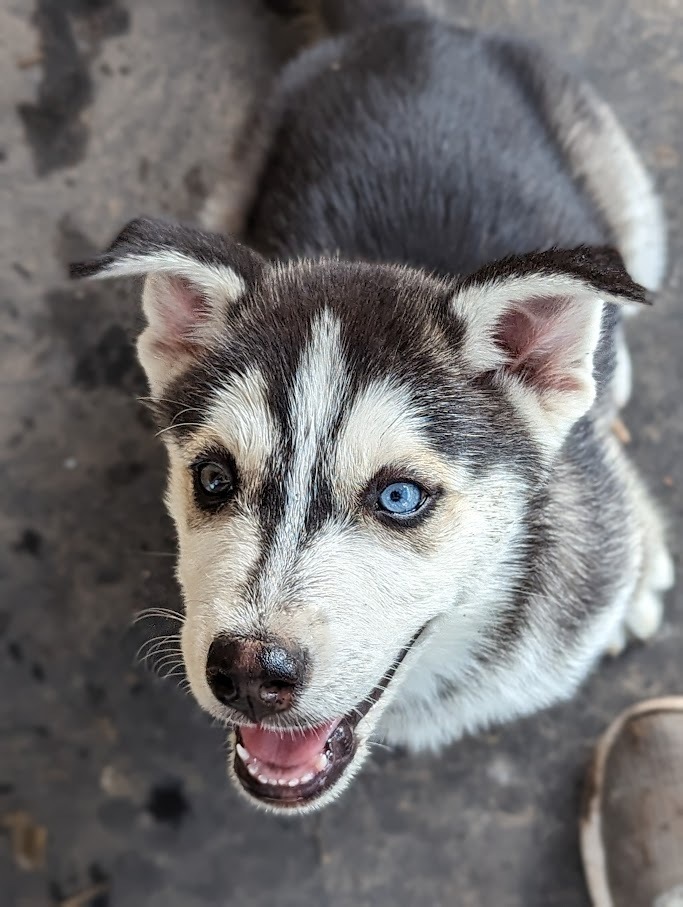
318	392
242	421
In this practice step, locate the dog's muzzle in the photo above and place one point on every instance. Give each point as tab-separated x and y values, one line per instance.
296	769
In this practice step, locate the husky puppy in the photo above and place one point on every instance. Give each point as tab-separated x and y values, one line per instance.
401	510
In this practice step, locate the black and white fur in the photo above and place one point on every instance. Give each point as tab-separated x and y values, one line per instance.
424	289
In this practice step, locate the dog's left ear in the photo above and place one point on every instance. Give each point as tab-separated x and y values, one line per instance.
532	324
192	278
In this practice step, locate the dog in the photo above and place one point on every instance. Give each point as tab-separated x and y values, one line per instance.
402	512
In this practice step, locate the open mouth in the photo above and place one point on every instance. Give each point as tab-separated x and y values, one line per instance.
292	769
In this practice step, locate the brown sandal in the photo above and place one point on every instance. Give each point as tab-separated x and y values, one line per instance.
632	817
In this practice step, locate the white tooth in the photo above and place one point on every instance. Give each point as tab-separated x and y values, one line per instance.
242	753
253	769
282	782
293	783
321	763
309	776
273	781
263	780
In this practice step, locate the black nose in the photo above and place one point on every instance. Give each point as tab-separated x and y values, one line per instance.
253	677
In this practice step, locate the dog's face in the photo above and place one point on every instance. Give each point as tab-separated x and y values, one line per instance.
351	450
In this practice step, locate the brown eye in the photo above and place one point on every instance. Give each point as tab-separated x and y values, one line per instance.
215	483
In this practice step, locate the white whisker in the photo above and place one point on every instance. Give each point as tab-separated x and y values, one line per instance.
163	431
164	613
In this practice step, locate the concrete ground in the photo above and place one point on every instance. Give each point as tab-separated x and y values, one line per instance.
112	783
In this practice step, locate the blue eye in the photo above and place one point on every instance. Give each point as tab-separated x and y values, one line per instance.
401	498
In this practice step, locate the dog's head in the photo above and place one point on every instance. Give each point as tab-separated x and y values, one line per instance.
351	449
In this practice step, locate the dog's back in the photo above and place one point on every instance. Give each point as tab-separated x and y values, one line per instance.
417	142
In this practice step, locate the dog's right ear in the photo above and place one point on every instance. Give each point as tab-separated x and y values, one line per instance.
191	280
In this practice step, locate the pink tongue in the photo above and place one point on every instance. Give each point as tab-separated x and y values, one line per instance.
287	750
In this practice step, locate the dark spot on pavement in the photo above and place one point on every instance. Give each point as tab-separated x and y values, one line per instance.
167	803
95	694
101	19
100	900
109	363
56	892
21	270
98	323
98	877
16	653
38	672
91	893
71	32
30	542
53	125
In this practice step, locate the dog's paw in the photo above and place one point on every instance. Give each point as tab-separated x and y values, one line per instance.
661	574
646	610
642	620
644	617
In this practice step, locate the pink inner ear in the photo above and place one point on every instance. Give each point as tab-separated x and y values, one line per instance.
181	309
540	337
